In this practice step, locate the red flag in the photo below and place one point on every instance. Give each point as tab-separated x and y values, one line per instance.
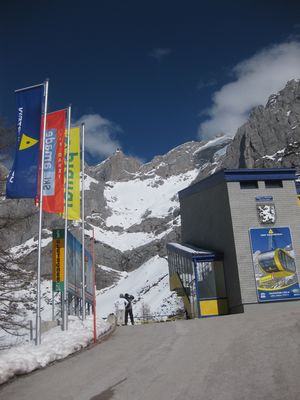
53	186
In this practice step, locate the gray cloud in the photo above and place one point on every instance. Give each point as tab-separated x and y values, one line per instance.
256	79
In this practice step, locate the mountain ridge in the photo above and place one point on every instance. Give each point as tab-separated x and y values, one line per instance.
133	207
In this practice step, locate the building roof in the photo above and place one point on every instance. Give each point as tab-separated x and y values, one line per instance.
240	175
193	252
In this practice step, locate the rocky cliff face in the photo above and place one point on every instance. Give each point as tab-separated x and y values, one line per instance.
133	207
271	136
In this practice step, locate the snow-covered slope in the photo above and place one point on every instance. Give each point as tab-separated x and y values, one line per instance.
149	284
132	203
129	202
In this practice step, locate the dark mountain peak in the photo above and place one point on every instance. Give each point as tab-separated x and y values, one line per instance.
265	140
115	168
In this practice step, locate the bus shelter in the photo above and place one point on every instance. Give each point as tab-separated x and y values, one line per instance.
197	276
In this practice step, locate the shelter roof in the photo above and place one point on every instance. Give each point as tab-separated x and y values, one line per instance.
193	252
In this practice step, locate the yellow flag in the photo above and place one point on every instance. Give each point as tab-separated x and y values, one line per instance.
74	175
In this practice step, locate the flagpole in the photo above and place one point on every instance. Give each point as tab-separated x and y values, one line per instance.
38	302
65	300
82	219
94	288
30	87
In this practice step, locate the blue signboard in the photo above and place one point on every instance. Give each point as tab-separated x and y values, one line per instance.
75	269
274	264
264	198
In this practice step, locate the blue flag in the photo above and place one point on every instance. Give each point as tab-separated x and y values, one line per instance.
23	177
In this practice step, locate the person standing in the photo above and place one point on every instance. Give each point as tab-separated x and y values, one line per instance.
120	312
128	307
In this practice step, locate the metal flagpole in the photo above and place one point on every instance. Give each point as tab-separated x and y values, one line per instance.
94	288
31	87
65	299
38	302
53	311
82	219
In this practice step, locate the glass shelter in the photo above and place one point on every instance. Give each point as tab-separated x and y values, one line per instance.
198	277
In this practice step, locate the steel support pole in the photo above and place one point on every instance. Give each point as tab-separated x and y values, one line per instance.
65	298
94	288
53	311
82	224
38	294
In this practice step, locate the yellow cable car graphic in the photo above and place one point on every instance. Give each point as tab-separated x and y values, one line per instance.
276	264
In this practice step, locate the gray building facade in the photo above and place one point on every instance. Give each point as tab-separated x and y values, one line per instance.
252	218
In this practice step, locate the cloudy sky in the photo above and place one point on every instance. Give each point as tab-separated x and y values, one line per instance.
146	76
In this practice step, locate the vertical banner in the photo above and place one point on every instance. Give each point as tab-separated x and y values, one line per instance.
53	185
89	277
23	177
74	269
274	264
74	175
58	248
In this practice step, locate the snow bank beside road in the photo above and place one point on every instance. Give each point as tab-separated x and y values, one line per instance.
56	344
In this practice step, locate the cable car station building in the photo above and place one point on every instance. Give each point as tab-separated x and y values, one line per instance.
240	232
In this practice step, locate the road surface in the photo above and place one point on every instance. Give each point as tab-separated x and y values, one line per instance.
254	356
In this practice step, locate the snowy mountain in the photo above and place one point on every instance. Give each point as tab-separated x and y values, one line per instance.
134	209
271	136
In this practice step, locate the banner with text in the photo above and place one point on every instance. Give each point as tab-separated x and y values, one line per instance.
53	186
23	177
74	175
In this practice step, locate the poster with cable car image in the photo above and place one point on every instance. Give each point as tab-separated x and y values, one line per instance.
75	269
274	264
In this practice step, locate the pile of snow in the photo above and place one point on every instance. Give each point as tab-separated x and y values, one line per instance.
56	344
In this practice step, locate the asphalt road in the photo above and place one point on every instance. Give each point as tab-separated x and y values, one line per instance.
254	356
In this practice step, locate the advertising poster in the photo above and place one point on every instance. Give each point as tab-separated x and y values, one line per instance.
75	267
58	247
274	264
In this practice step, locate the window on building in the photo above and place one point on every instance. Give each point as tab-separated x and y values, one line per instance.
273	184
249	185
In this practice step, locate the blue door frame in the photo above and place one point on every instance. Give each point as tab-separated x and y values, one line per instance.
197	287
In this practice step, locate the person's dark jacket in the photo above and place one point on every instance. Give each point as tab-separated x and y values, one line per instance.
128	298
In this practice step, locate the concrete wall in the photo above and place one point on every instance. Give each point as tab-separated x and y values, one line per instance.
244	217
206	223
